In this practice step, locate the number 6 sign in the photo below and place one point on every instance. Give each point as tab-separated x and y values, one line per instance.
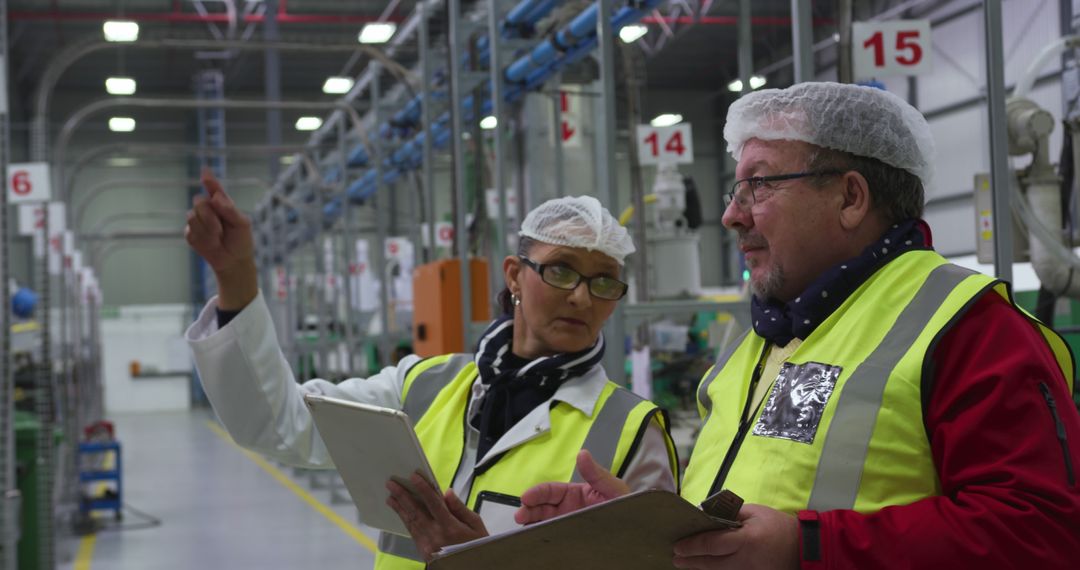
28	182
899	47
672	144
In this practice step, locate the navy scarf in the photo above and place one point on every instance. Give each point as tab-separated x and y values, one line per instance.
780	322
516	386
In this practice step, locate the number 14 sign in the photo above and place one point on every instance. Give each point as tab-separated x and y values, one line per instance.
658	145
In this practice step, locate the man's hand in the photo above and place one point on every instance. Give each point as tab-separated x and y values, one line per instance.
434	521
221	234
548	500
767	540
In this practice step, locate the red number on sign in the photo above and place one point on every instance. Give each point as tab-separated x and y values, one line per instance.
675	144
20	183
878	43
903	44
39	218
651	139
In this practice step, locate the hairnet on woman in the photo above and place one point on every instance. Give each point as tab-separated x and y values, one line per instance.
518	411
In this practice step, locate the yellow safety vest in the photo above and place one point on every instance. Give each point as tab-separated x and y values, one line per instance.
842	426
436	395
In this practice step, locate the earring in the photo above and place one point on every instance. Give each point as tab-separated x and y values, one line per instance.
515	299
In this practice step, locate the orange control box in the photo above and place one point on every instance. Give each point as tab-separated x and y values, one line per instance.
437	327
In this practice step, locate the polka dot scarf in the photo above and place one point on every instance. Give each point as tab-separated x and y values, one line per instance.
779	322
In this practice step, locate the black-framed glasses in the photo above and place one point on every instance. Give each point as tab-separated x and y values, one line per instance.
562	277
749	191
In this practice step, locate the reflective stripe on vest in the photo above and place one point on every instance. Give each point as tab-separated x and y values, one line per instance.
417	397
704	401
606	431
848	439
400	546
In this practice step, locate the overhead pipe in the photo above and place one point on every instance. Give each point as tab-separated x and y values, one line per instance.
528	72
98	189
79	116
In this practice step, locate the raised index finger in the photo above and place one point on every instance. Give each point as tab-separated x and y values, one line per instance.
210	182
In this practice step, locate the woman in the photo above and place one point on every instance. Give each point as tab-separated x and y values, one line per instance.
518	412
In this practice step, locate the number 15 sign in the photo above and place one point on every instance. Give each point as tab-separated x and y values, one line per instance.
665	144
899	47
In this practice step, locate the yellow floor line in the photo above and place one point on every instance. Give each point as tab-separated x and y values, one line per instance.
85	555
314	503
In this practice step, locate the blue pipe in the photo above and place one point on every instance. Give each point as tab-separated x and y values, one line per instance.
530	71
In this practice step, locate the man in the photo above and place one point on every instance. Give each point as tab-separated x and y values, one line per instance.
887	409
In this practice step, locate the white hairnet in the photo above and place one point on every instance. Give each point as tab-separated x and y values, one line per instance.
578	221
860	120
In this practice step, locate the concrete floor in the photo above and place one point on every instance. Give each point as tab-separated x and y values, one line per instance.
219	506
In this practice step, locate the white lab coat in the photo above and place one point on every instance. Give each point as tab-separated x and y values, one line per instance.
252	388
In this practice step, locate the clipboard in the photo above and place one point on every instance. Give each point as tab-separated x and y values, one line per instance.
633	532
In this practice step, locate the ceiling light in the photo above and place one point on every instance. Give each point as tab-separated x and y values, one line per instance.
489	122
120	31
377	33
666	120
122	161
121	124
308	123
120	85
632	33
756	81
337	85
735	86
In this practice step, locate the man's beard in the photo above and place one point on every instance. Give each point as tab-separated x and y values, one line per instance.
774	279
772	282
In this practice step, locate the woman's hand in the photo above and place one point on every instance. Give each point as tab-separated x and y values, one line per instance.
434	521
548	500
221	235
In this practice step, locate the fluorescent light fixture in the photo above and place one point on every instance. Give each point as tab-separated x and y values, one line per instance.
121	124
337	85
756	81
377	32
288	159
308	123
120	31
666	120
632	33
489	122
120	85
122	161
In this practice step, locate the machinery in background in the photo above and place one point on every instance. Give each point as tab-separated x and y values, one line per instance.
437	315
682	330
1043	198
673	242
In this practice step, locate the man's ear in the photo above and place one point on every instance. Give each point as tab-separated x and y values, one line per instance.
856	203
511	270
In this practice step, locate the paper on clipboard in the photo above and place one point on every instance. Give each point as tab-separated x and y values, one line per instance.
633	532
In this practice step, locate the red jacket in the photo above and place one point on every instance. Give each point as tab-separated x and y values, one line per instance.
1010	485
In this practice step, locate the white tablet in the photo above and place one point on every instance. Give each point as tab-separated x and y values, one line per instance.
370	445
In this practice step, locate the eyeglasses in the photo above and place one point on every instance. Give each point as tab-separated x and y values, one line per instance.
749	191
562	277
